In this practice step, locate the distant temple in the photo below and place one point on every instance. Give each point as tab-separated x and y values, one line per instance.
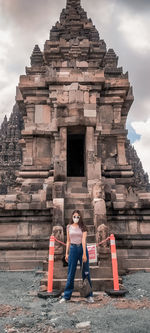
65	146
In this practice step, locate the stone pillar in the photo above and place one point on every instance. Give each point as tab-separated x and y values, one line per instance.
60	173
93	163
58	211
28	152
63	151
117	114
121	151
89	153
30	110
60	163
57	151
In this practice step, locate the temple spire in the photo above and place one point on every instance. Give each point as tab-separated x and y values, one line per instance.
37	56
73	3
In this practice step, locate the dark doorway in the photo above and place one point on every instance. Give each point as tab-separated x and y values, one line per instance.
75	155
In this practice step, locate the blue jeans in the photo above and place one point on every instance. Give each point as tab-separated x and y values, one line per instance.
75	254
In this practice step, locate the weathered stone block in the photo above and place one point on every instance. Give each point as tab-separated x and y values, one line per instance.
10	198
133	227
106	114
119	205
42	114
10	206
72	96
86	97
24	197
145	227
23	206
90	110
117	115
73	87
43	229
93	99
62	97
99	206
79	96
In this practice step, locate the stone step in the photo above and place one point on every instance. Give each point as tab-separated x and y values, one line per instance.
21	265
98	284
86	213
77	190
80	206
78	184
77	195
135	270
136	263
76	179
95	272
76	201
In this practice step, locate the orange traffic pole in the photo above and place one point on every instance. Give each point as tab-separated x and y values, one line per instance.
51	264
114	262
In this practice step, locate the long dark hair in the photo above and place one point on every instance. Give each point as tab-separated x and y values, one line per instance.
81	224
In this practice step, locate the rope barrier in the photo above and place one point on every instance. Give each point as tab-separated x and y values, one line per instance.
59	241
105	240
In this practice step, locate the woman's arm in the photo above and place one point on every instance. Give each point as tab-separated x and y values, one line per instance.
84	246
67	245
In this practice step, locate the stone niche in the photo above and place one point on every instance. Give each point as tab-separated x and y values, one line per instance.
106	116
42	114
108	151
42	151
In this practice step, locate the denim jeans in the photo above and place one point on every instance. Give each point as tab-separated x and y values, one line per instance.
75	254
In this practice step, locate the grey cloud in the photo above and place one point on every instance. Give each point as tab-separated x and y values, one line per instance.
26	13
135	5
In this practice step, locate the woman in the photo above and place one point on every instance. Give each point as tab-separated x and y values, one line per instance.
76	249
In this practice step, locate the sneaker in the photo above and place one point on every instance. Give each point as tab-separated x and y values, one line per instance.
63	300
90	299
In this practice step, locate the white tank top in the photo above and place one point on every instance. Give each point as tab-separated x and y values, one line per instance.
75	234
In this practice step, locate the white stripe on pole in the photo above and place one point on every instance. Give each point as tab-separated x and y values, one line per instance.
52	243
113	255
112	242
51	257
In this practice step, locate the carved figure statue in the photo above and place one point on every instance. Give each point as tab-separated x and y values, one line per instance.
101	234
58	234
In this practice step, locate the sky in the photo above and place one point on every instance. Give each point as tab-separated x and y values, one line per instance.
123	24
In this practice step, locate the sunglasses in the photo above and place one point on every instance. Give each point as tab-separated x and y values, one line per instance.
77	217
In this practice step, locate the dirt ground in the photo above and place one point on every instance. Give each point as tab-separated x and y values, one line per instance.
21	311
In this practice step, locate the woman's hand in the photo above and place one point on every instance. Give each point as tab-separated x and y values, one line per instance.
84	258
66	257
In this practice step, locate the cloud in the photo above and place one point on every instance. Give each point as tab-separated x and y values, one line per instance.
135	5
132	135
142	146
134	29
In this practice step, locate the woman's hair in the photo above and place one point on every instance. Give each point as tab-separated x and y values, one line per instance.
81	224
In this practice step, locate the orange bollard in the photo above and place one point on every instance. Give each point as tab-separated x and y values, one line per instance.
50	292
114	262
51	264
116	291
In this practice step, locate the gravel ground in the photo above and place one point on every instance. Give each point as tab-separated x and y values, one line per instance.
22	311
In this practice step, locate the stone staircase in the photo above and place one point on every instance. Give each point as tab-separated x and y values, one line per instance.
77	197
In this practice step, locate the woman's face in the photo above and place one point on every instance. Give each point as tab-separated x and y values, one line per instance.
76	217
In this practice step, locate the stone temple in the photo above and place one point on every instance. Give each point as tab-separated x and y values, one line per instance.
65	146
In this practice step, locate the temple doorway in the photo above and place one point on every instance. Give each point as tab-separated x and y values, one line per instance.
76	155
